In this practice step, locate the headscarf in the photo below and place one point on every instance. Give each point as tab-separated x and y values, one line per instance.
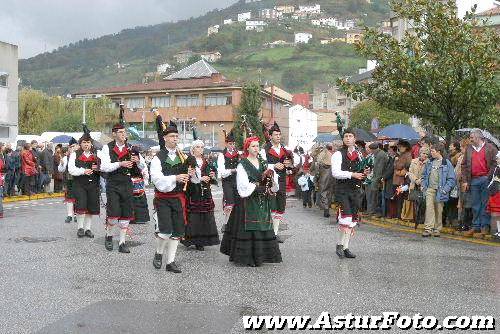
247	143
195	143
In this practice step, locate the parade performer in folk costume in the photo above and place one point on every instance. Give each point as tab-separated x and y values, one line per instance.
345	168
278	159
249	238
69	199
201	229
227	161
140	179
117	160
170	173
83	165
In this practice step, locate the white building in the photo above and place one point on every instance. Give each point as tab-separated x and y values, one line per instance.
9	92
213	30
285	9
255	25
334	22
270	14
303	127
314	9
242	17
464	6
228	21
250	1
211	57
162	68
302	37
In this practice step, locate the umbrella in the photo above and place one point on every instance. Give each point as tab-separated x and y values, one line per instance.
364	135
326	138
144	143
61	139
486	135
399	131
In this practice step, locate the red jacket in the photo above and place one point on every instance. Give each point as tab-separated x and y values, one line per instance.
28	163
2	175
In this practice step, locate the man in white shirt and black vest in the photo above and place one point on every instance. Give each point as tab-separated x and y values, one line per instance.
348	190
170	173
279	160
227	161
117	161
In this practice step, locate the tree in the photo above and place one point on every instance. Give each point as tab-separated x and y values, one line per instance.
363	114
249	109
443	72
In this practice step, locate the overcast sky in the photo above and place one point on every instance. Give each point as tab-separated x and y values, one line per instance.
42	25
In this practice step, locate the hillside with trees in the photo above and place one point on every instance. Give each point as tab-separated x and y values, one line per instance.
124	57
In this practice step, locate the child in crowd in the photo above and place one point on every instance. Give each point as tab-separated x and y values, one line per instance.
306	183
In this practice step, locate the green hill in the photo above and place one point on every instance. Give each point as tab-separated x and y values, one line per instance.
91	63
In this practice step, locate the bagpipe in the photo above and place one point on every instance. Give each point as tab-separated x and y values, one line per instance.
267	178
364	164
160	128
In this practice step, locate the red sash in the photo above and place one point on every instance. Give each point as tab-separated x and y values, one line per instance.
180	196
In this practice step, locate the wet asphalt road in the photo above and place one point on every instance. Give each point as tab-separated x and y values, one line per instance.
52	282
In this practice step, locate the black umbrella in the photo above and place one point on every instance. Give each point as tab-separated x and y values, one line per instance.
364	135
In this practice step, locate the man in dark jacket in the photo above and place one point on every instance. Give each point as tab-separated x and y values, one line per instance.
47	168
373	189
477	166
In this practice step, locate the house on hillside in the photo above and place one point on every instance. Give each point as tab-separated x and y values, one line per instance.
213	30
242	17
354	36
197	95
211	57
309	10
228	21
277	43
255	25
183	56
162	68
270	14
302	37
285	9
251	1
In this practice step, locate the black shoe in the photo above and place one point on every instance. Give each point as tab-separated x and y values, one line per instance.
348	254
157	261
80	233
279	240
123	248
68	219
200	248
74	219
326	213
305	206
89	234
173	268
340	251
108	243
310	206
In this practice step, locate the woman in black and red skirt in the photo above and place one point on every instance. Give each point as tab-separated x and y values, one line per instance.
201	229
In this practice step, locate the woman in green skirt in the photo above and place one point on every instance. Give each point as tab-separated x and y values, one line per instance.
249	238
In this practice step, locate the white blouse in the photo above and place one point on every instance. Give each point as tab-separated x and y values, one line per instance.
245	187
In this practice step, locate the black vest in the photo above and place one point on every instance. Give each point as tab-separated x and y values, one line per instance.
167	169
349	166
82	161
272	159
122	172
230	162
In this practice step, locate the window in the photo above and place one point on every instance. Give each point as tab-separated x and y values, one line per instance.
187	100
218	100
160	101
135	102
4	79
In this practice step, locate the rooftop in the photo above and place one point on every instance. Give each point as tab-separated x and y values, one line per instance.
200	69
490	12
360	77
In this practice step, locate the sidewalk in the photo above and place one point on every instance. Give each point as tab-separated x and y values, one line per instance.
446	232
12	199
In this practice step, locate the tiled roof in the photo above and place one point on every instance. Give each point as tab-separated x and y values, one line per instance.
360	77
162	85
200	69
